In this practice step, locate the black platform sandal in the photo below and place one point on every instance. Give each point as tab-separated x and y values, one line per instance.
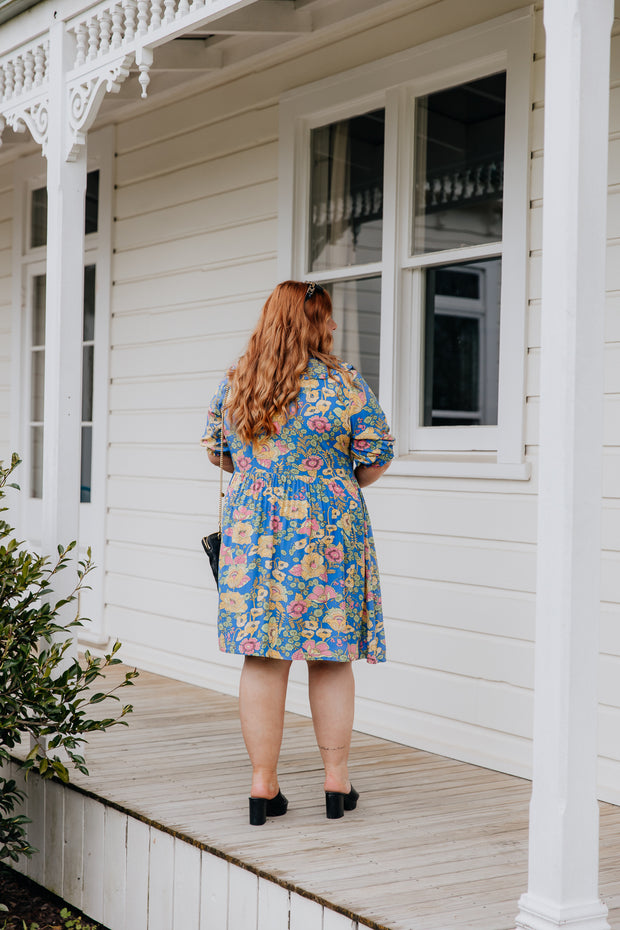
261	808
336	803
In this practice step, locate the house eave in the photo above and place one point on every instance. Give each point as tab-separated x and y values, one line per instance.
9	9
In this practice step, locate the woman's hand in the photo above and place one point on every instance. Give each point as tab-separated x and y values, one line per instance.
368	474
227	462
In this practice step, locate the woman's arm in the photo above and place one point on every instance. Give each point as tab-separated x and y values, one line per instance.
227	462
368	474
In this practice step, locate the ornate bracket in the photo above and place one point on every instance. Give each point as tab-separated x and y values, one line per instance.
85	97
104	40
33	116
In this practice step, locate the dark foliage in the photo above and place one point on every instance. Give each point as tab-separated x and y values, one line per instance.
46	694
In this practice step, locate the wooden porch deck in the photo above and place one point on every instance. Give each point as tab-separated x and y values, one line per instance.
434	843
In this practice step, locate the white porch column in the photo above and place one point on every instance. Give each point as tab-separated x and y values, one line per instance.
66	186
563	864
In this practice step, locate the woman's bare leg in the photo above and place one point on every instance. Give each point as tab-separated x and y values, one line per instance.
332	701
262	694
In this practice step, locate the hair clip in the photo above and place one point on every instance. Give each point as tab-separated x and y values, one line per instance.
313	287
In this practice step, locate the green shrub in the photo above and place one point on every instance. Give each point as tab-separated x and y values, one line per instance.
45	693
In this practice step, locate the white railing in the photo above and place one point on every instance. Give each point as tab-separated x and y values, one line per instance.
24	70
113	27
106	41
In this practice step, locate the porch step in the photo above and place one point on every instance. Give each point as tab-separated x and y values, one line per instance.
157	838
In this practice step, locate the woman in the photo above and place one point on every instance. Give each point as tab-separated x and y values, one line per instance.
298	576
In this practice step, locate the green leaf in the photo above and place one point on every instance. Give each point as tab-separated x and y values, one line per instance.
60	770
44	694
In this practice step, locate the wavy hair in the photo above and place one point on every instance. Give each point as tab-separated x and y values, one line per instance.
266	379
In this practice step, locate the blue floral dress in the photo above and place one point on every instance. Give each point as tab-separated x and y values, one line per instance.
298	573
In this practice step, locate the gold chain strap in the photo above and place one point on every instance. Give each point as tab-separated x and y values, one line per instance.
221	495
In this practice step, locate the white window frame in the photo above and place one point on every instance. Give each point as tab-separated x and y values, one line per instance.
503	44
29	174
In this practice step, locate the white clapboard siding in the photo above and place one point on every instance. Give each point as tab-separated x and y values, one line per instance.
255	274
610	579
207	214
212	177
452	606
232	134
230	244
195	244
208	318
195	240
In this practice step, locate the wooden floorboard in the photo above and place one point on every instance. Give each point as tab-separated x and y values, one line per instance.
434	843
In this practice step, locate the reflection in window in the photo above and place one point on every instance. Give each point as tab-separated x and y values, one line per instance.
346	192
37	384
459	173
88	361
357	311
38	218
461	355
91	219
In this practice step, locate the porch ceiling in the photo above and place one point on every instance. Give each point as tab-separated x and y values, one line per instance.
261	27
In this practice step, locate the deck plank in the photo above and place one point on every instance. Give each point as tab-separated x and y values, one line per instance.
434	842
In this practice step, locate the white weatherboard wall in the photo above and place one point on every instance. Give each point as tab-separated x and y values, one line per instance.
195	242
130	875
6	251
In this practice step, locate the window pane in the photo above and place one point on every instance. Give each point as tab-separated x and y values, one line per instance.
459	156
87	382
461	357
38	211
346	192
36	461
38	218
37	386
38	310
91	220
89	303
87	460
357	311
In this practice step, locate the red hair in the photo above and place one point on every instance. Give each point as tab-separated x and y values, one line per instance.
266	380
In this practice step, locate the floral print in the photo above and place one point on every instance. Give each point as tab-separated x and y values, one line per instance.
298	572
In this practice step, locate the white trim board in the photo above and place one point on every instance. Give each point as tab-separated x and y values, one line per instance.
130	873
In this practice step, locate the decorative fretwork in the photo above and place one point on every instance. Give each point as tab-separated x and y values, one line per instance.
107	40
24	70
129	25
24	89
85	97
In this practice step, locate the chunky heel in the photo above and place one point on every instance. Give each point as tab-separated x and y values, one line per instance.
258	811
336	803
261	808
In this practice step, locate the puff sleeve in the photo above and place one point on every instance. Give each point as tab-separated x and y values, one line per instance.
212	436
371	440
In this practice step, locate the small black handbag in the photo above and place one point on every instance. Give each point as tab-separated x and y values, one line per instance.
213	541
211	545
